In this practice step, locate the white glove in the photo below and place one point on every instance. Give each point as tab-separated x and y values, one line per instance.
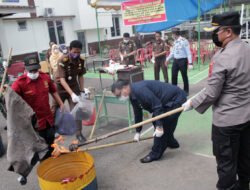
137	137
158	132
153	60
85	94
122	58
5	64
190	67
187	105
75	98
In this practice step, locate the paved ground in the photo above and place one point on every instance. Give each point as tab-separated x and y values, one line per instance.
192	167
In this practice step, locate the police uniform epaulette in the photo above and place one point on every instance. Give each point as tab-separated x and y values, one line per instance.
64	58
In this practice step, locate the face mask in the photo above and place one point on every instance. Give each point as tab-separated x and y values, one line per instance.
56	51
124	98
216	38
74	55
65	51
33	76
125	41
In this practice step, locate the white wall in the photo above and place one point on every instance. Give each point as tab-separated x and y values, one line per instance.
61	7
20	3
35	38
69	33
87	17
92	36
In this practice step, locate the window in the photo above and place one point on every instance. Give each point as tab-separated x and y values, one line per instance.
115	30
81	38
56	33
22	25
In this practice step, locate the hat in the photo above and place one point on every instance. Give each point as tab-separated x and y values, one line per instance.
31	63
176	31
225	19
126	35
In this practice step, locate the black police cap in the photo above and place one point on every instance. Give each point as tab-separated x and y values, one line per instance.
225	19
31	63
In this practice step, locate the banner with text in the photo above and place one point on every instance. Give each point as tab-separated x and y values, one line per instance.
137	12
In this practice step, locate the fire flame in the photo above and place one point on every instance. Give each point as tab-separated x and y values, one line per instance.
59	148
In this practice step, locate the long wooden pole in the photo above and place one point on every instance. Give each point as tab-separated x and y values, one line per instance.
114	144
6	70
75	146
97	115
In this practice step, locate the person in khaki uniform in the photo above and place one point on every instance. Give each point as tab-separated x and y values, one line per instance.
127	49
70	81
159	56
228	91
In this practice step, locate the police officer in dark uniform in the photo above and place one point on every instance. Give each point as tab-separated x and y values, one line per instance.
127	49
228	91
70	81
157	98
159	56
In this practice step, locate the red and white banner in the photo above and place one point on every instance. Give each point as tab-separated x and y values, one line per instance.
136	12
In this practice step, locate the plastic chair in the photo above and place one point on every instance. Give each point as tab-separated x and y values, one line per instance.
140	56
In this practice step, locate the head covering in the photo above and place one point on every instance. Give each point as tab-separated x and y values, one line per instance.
54	57
31	63
126	35
225	19
176	30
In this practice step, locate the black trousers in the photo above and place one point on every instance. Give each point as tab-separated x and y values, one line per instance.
161	143
160	64
182	66
49	136
231	147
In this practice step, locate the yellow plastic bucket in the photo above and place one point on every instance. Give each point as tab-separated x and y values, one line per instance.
74	171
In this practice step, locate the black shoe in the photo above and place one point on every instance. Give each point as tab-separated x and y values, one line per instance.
22	180
81	138
173	144
147	159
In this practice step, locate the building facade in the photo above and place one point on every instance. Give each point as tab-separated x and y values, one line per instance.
58	21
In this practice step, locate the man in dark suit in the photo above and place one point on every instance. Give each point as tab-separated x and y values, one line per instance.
157	98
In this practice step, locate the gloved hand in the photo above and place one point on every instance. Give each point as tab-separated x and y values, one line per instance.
5	64
85	94
75	98
158	131
187	105
153	60
137	137
122	58
190	67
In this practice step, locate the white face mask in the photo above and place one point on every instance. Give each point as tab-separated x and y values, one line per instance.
33	76
65	51
124	98
125	41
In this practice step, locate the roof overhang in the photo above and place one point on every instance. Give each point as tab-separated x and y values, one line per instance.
7	10
42	18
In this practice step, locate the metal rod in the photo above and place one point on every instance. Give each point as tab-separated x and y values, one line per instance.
199	33
114	144
117	132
